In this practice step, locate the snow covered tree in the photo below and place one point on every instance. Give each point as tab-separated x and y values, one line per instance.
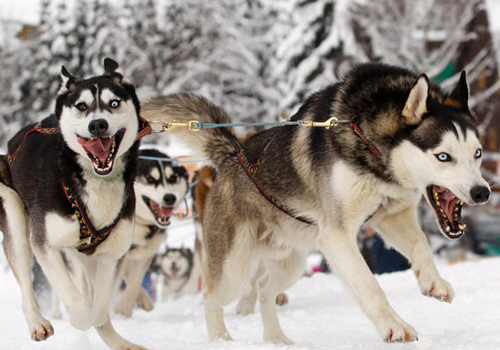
314	42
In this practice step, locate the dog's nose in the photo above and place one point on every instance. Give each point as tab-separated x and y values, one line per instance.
98	127
480	194
169	199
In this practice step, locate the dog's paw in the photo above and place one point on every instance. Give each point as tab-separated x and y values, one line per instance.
132	347
437	288
41	330
144	302
399	332
278	339
244	308
281	299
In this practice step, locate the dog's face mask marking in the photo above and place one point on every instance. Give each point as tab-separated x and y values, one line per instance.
160	188
442	158
175	262
98	118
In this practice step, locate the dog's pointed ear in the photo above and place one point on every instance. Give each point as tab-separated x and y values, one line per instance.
459	97
111	70
110	65
68	81
416	104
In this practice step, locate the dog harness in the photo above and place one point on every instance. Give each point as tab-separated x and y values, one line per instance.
252	169
91	237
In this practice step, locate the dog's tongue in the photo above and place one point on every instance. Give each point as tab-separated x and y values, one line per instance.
99	148
166	212
448	201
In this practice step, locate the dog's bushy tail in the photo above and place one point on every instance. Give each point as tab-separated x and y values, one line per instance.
214	144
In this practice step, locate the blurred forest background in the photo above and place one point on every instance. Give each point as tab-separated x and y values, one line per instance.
256	58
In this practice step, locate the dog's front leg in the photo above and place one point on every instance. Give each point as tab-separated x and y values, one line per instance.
107	276
52	263
401	230
113	339
341	250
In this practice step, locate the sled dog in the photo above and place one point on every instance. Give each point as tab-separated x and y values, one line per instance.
67	185
289	190
174	268
160	187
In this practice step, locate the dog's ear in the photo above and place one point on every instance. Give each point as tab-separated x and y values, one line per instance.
110	65
416	104
111	70
68	82
459	97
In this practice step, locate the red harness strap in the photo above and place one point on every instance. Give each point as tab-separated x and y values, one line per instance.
355	125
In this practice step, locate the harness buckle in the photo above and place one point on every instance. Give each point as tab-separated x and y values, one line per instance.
327	124
192	125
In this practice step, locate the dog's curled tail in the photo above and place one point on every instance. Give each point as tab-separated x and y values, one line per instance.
213	144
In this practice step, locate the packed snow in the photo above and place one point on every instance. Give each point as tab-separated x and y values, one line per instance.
320	315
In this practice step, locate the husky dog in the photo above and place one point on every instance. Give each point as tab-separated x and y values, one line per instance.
159	188
174	269
289	190
67	185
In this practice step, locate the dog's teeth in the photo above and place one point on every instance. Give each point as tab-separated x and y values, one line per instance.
448	228
437	203
462	226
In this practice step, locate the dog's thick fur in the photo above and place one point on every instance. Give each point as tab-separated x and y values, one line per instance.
160	188
204	179
94	153
411	139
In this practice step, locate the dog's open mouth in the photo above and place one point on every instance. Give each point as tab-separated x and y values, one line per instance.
162	214
448	210
102	151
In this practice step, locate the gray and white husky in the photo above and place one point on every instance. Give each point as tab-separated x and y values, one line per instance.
67	185
160	187
289	190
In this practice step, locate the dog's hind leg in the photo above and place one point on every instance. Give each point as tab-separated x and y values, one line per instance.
401	230
342	253
231	264
278	275
248	299
14	225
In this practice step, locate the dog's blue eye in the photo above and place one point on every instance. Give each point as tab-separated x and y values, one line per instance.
443	157
479	153
81	106
114	103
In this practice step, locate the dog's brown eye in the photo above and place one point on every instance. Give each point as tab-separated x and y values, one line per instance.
150	179
82	106
114	103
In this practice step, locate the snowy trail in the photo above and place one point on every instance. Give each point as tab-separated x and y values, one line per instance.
320	315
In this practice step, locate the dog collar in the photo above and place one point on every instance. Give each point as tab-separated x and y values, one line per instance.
91	237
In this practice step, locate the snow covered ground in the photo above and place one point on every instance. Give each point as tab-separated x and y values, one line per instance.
320	315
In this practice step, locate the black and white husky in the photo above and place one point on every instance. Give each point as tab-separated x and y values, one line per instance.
67	185
174	268
160	188
289	190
